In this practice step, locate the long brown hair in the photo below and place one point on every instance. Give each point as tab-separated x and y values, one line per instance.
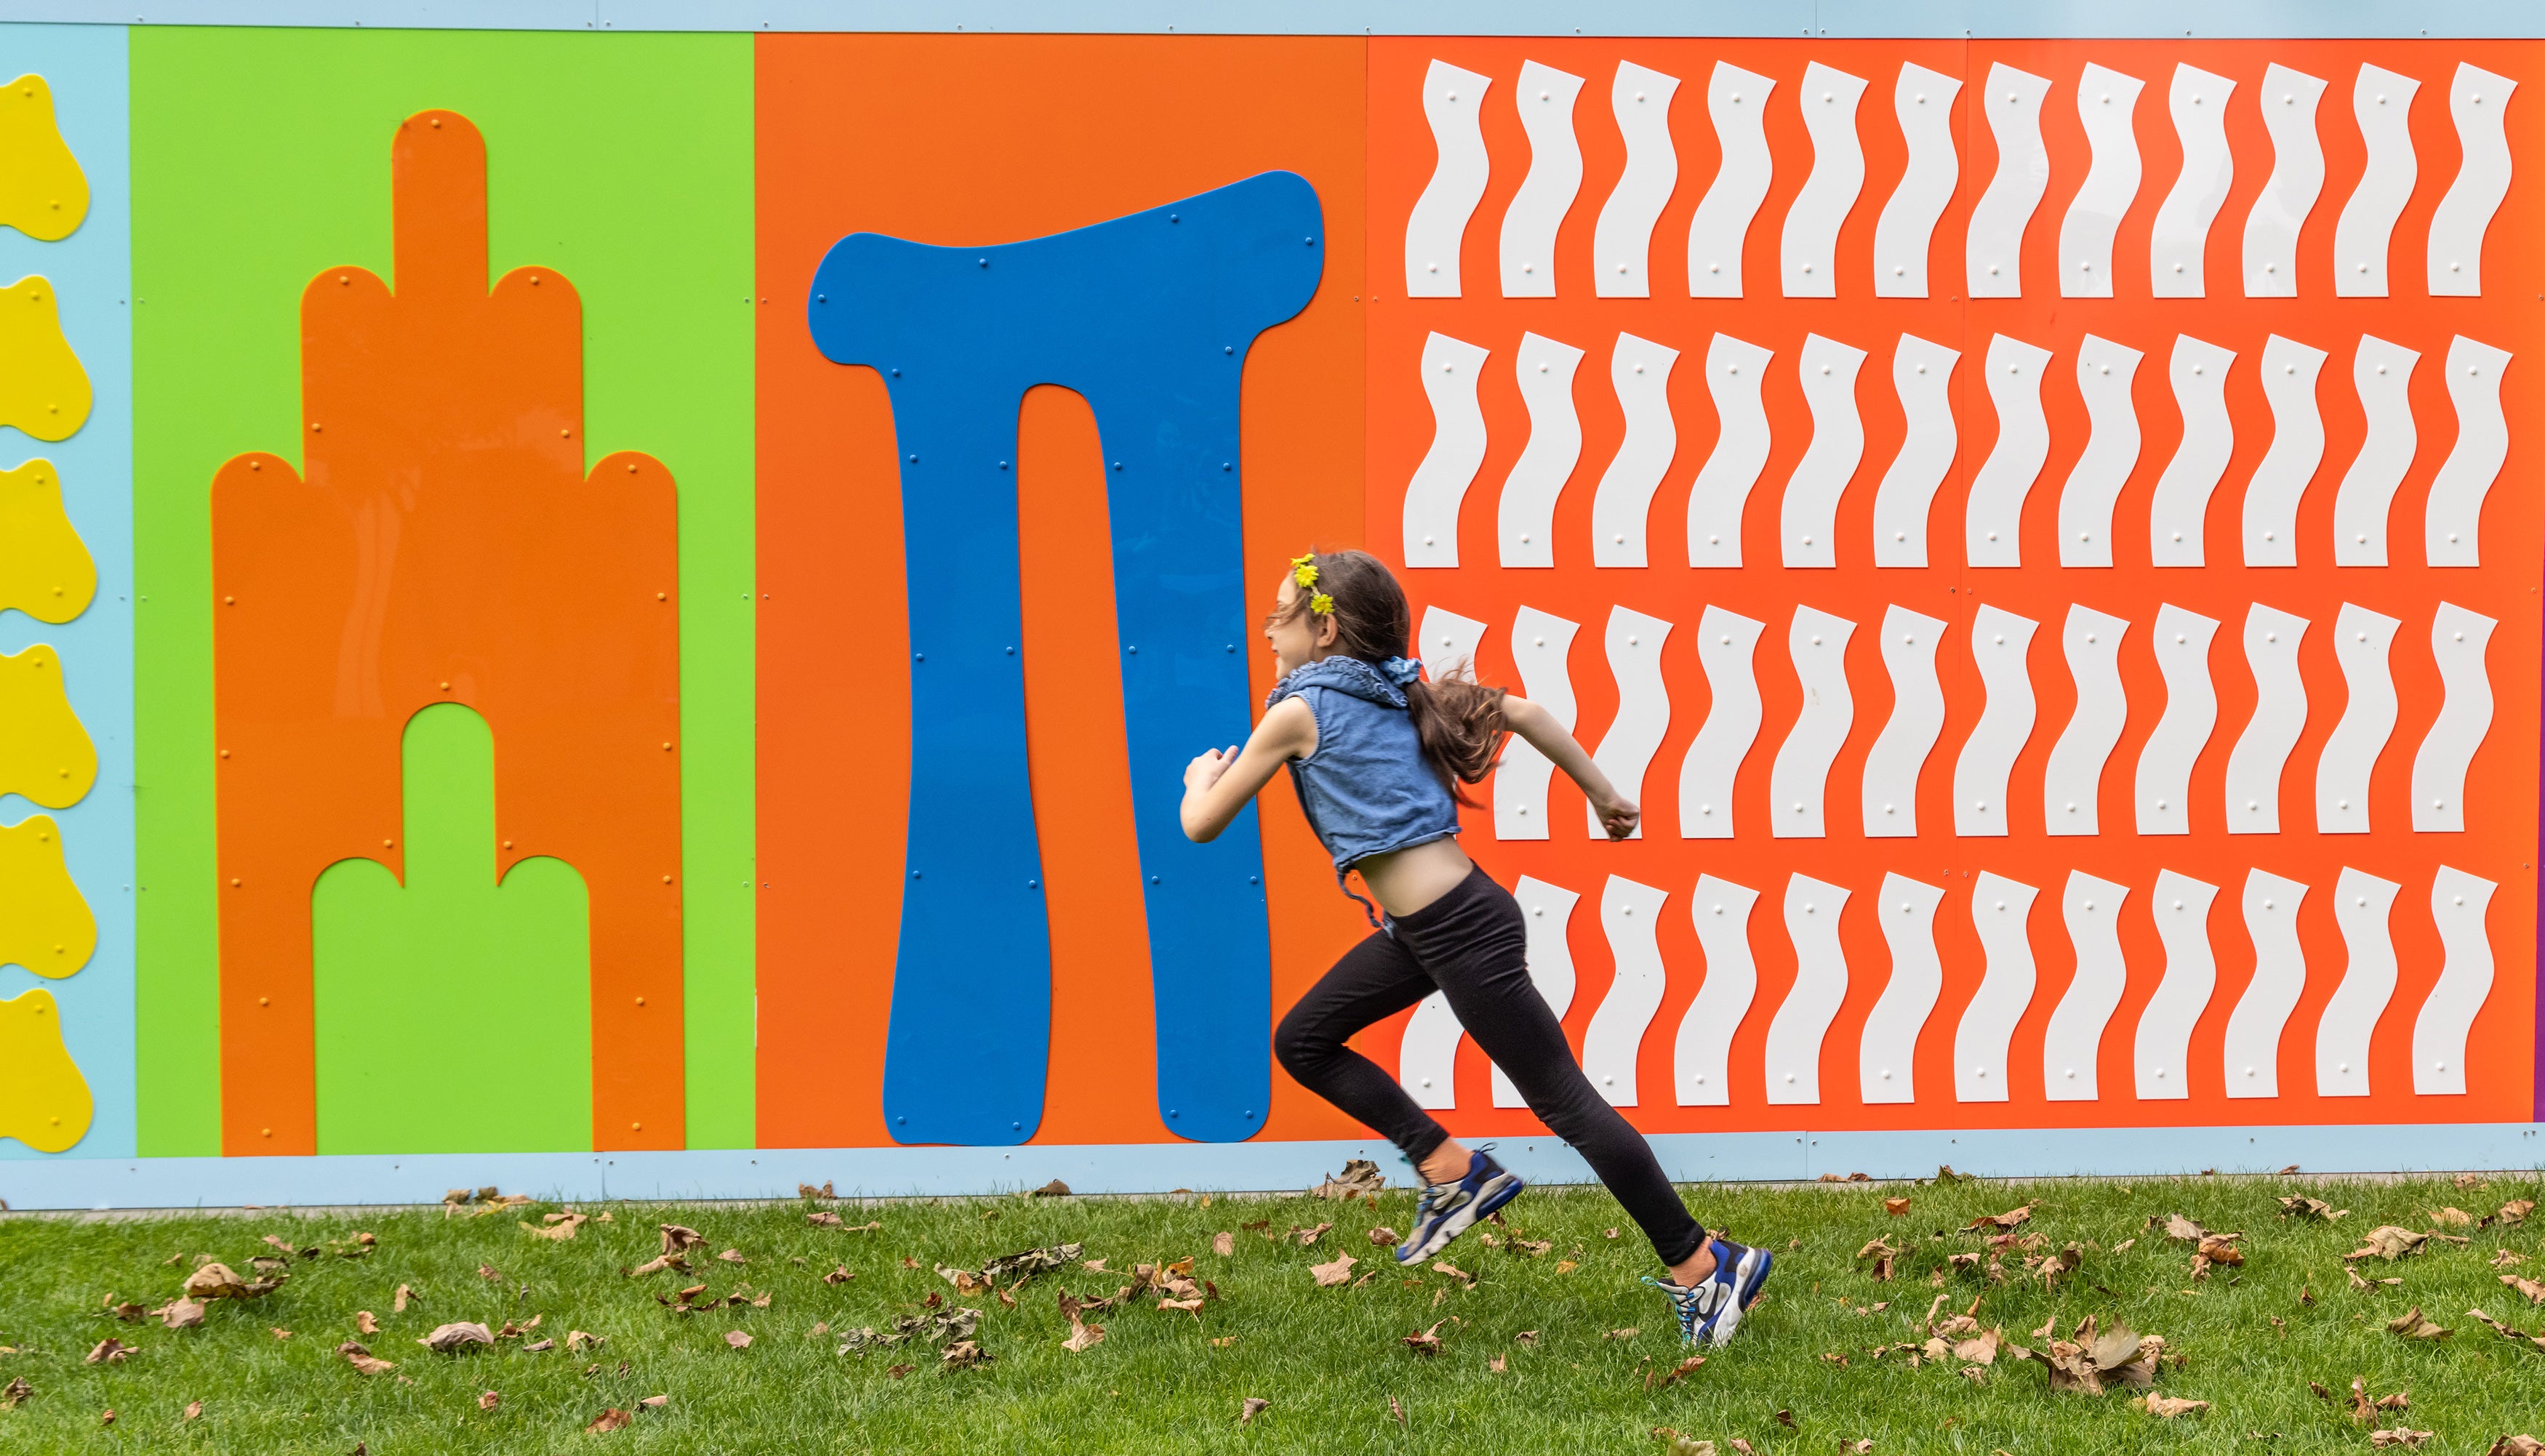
1458	720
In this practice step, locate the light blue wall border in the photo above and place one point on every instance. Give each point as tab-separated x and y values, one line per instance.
1978	19
1150	1168
92	275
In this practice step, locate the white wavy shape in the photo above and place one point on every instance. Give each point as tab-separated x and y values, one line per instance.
2104	373
1807	254
1999	911
2452	519
2382	372
2382	100
2073	1041
1808	523
1545	101
1700	1058
1922	375
2163	792
1643	707
1922	99
2458	901
2360	639
2361	903
1639	370
2279	482
2160	1050
1549	912
1993	260
1734	371
2280	209
1428	1058
2178	508
2106	99
2262	751
1998	643
1450	369
1447	643
1542	646
1886	1056
2458	638
1798	783
1795	1034
1726	646
1736	99
2072	783
2476	100
1621	244
2251	1054
2179	239
1993	517
1438	225
1898	753
1630	914
1525	520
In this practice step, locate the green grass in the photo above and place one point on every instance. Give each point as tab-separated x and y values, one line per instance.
1330	1360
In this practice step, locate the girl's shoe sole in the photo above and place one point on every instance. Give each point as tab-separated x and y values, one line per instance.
1748	1283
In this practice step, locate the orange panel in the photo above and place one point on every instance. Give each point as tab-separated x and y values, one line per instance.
446	546
979	140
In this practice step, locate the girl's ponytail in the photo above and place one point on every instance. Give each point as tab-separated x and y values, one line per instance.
1459	720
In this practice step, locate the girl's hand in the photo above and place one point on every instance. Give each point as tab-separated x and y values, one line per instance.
1619	816
1203	771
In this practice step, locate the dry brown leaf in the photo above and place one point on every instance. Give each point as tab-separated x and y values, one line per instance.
898	1371
194	1411
607	1420
561	1228
2357	1282
180	1314
1422	1342
839	1274
2412	1325
963	1354
1082	1335
2399	1437
1981	1350
1251	1406
1896	1207
737	1339
2170	1406
1224	1244
679	1238
109	1351
361	1359
1308	1236
2300	1206
1526	1337
2534	1291
1565	1267
1384	1237
2389	1242
2181	1228
2502	1258
489	1401
2010	1219
405	1296
2470	1181
733	1256
1329	1274
1664	1379
16	1392
1053	1189
1443	1266
2516	1446
447	1337
1359	1177
2450	1218
2515	1211
822	1218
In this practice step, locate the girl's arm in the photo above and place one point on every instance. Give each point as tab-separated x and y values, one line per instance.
1218	784
1618	814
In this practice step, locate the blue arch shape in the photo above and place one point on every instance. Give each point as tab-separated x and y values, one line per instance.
1150	317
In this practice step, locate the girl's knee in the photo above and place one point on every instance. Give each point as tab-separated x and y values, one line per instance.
1299	1048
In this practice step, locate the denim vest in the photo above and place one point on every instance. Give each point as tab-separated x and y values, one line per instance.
1368	790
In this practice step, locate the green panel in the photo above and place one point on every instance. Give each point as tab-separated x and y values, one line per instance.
454	1013
262	156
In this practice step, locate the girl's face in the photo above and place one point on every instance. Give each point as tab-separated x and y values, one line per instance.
1296	635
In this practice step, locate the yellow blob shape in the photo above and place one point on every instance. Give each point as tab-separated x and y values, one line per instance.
43	388
45	921
45	570
44	1099
45	752
43	192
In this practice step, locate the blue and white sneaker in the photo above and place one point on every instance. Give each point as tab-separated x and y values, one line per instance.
1447	1210
1709	1313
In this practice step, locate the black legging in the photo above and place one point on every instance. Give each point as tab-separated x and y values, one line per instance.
1472	944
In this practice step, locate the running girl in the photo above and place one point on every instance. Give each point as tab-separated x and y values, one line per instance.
1376	755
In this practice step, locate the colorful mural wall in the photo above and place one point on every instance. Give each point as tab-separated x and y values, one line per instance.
627	609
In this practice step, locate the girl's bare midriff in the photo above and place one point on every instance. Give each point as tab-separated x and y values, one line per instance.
1406	880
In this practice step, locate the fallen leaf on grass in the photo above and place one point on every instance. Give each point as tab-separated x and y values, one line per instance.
109	1351
181	1314
1359	1177
679	1238
365	1322
2300	1206
1526	1337
2388	1242
1628	1333
2516	1446
2357	1282
2534	1291
194	1411
1882	1255
2181	1228
489	1401
1496	1365
1443	1266
2450	1218
1308	1236
2515	1211
1664	1380
1253	1407
360	1358
653	1403
2399	1437
737	1339
2412	1325
1981	1350
838	1275
1223	1245
280	1333
2170	1406
1565	1267
607	1420
963	1354
215	1281
447	1337
1397	1410
1329	1274
733	1256
1422	1342
1896	1207
2010	1219
822	1218
1053	1189
106	1417
1384	1236
399	1301
2085	1364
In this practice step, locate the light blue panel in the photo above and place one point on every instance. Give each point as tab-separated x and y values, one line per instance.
1156	1168
1979	19
92	275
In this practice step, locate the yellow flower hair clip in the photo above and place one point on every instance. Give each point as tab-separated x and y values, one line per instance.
1321	604
1303	569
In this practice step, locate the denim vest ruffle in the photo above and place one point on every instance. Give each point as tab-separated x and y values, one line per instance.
1368	790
